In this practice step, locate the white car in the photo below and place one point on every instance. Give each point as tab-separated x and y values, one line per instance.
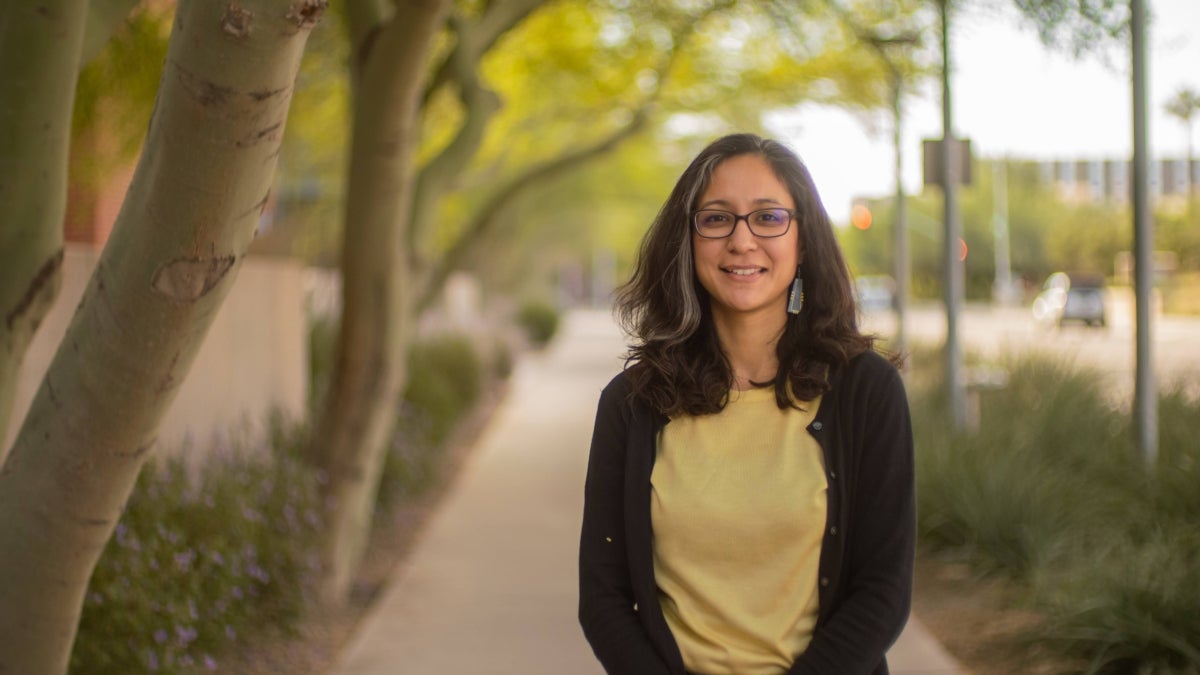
875	292
1071	297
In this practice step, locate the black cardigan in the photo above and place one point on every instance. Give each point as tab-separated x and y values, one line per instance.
866	565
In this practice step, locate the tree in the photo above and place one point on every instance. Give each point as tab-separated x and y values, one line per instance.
182	233
390	47
35	113
1184	105
1078	26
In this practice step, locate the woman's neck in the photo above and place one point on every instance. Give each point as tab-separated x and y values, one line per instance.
749	344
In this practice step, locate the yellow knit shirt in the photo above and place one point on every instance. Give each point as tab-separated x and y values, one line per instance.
738	510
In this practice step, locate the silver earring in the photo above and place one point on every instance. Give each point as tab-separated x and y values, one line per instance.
796	295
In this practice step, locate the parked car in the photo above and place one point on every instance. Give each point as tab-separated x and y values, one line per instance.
1071	297
875	292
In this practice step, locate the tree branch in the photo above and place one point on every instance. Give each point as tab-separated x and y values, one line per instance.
364	19
486	217
499	18
481	104
489	214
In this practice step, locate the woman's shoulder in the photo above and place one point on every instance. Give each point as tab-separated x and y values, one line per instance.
619	385
873	360
620	391
871	365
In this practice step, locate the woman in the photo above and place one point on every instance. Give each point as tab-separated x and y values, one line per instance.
749	502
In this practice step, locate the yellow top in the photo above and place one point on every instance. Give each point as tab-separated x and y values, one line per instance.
738	511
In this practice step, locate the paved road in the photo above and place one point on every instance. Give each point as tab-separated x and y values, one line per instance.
996	331
491	586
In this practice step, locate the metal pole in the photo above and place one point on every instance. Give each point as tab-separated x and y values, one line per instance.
955	380
1145	394
901	225
1002	291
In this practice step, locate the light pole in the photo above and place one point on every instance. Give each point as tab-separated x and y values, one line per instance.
951	172
902	265
1002	287
1145	394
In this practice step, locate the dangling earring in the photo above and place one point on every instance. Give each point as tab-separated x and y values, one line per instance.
796	295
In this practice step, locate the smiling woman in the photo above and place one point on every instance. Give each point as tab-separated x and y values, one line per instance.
749	497
746	270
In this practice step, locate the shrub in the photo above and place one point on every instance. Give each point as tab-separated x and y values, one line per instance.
201	558
1051	492
539	320
445	379
1132	608
502	360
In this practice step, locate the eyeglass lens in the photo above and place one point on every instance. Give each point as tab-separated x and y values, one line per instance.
717	224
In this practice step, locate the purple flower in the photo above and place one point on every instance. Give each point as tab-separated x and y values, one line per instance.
209	663
160	636
185	634
258	574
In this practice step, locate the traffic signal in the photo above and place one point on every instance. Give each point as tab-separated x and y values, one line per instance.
860	216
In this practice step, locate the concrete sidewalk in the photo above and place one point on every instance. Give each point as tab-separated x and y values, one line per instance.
491	586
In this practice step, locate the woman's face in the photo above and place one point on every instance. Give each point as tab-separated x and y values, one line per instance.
746	275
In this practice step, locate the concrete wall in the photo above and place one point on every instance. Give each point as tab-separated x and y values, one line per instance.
254	358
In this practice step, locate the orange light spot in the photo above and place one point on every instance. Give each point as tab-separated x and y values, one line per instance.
962	249
860	216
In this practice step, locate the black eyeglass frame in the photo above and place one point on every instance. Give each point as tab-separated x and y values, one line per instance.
740	217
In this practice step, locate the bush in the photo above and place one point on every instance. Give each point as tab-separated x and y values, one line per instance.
539	320
1051	492
1001	496
199	560
445	380
1133	608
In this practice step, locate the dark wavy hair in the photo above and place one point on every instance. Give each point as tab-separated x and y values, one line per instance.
675	362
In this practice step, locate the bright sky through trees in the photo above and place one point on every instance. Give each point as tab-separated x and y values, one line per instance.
1012	97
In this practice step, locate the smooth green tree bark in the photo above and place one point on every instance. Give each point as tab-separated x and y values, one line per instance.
392	50
183	230
50	42
40	44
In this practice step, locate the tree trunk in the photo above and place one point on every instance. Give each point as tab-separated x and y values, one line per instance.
40	45
178	242
358	416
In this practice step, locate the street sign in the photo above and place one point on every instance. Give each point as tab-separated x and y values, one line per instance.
932	151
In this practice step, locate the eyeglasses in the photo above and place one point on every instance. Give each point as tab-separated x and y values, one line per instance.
764	223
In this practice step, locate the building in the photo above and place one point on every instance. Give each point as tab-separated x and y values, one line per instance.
1110	180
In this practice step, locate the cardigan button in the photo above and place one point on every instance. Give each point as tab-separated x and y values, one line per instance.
817	426
833	531
832	475
824	581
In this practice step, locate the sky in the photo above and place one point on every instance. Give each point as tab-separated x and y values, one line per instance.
1012	97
